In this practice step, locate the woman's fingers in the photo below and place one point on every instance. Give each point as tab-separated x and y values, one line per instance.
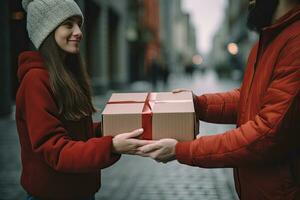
134	133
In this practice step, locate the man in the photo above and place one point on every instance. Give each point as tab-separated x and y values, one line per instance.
264	147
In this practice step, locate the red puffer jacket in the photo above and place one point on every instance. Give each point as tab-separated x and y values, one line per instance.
264	148
60	159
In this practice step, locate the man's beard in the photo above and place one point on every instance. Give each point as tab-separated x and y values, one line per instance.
261	14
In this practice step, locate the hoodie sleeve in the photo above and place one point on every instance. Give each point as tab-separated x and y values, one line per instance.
48	137
219	107
257	140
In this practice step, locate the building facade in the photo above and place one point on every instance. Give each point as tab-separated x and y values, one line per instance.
105	43
177	35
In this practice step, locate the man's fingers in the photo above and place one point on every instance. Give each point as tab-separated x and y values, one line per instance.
140	153
134	133
150	147
140	143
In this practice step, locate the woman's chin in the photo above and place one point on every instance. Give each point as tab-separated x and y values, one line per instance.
73	51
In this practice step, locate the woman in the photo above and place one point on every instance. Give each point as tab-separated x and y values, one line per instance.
61	157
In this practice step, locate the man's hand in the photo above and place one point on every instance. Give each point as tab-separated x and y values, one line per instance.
162	150
126	143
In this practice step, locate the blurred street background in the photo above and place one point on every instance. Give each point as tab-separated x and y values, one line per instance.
137	46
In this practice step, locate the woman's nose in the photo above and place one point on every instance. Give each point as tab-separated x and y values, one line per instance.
77	31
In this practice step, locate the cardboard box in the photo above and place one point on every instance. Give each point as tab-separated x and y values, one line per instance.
162	115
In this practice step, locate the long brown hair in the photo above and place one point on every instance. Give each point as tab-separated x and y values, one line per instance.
68	80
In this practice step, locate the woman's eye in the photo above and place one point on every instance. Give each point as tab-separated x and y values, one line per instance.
79	23
68	24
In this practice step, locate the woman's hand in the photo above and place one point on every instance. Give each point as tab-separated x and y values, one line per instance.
126	143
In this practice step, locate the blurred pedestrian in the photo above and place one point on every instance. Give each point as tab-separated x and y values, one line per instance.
155	70
264	147
61	155
189	69
165	72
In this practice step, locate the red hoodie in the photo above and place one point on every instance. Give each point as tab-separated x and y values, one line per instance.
61	159
264	148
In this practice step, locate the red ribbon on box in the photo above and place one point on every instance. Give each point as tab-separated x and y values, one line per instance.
146	113
147	116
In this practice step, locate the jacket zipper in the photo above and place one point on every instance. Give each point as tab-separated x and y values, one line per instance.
251	83
255	64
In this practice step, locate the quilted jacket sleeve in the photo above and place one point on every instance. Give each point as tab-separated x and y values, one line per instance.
50	140
219	107
258	139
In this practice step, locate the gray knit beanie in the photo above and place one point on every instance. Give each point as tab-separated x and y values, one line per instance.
43	16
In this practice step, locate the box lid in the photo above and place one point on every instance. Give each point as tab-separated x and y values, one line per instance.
174	96
129	108
139	97
168	102
174	107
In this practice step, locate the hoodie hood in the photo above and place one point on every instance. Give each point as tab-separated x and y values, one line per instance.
29	60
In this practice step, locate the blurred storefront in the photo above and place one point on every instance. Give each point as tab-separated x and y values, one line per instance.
105	44
13	40
177	35
5	71
143	37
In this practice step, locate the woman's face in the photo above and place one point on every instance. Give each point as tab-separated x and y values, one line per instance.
68	35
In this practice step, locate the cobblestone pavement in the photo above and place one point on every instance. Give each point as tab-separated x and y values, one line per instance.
135	178
10	165
144	179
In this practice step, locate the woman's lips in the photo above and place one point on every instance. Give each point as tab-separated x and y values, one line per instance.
74	41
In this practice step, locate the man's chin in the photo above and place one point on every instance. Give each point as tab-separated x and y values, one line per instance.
258	24
261	14
252	26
